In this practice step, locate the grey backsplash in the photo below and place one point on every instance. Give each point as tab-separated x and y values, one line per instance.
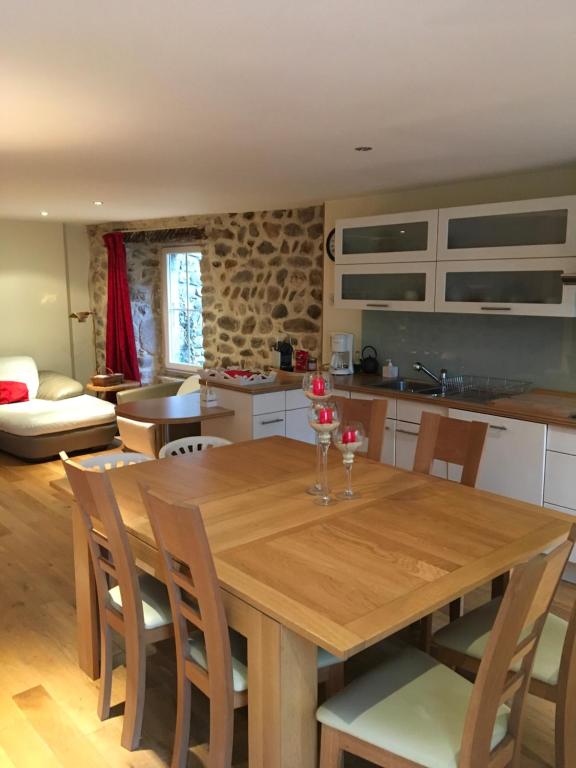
539	349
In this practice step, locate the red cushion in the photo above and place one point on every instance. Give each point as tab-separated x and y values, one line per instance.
13	392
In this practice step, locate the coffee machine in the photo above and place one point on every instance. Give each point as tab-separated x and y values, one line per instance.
342	348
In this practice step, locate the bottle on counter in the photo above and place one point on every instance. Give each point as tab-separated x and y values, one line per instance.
389	371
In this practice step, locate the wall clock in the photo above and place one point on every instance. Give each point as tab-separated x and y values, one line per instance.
331	244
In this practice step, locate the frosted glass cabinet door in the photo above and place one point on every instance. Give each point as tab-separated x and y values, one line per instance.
515	230
398	237
408	287
507	286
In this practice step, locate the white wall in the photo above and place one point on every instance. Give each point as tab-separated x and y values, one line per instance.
78	263
559	181
34	301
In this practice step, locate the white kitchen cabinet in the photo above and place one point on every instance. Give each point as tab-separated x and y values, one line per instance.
513	458
408	410
397	237
406	434
406	287
297	426
510	230
567	511
269	425
507	287
392	402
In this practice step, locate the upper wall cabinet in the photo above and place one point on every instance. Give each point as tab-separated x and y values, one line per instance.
399	237
514	230
392	287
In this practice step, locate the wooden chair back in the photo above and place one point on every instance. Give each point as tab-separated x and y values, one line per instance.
513	640
110	552
451	440
196	603
372	415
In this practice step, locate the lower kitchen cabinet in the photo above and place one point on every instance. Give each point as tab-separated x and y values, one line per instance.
513	458
406	441
297	426
269	425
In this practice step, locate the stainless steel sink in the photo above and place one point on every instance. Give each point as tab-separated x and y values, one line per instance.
406	385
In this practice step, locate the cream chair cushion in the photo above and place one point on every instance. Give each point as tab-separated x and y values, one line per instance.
155	602
469	635
191	384
239	658
138	436
411	706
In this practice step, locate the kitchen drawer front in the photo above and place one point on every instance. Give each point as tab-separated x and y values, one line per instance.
268	403
390	410
562	439
295	398
513	458
409	411
406	439
559	485
297	426
566	511
269	424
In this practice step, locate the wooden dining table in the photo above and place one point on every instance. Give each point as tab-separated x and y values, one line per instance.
295	575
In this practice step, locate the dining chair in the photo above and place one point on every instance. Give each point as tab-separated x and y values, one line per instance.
209	655
144	436
451	440
191	444
456	442
414	712
372	415
107	461
463	644
134	605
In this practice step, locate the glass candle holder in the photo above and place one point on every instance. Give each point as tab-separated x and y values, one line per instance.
349	438
318	387
324	418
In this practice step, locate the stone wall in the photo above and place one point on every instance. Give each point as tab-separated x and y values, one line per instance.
261	280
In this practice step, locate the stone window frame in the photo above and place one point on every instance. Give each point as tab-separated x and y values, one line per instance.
176	248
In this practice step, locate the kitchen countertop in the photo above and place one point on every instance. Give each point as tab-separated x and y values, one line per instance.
544	406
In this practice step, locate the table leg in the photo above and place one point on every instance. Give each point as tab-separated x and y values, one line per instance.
88	636
283	691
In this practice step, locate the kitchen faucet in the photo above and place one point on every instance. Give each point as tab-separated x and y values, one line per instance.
441	380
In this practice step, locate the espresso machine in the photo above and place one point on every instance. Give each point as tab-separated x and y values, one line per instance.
341	359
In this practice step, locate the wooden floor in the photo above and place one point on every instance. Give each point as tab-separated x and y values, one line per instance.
47	706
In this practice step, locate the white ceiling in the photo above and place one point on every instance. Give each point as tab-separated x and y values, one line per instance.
169	107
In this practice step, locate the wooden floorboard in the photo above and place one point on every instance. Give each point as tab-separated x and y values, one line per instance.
48	706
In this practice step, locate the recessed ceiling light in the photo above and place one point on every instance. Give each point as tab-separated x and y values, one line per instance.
402	231
98	202
363	148
43	213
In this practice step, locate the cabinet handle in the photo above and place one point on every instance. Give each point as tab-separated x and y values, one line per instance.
406	432
498	427
378	305
496	309
272	421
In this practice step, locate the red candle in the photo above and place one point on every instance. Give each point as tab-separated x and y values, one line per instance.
325	416
349	436
318	386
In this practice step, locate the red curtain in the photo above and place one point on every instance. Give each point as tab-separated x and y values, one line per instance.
120	345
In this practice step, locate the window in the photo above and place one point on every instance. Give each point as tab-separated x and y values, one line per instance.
183	341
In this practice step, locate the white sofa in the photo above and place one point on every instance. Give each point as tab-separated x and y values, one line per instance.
58	416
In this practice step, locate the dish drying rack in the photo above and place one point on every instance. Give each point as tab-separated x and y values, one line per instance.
488	387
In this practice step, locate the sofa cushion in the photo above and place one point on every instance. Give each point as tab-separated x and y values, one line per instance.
13	392
20	369
56	386
42	417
